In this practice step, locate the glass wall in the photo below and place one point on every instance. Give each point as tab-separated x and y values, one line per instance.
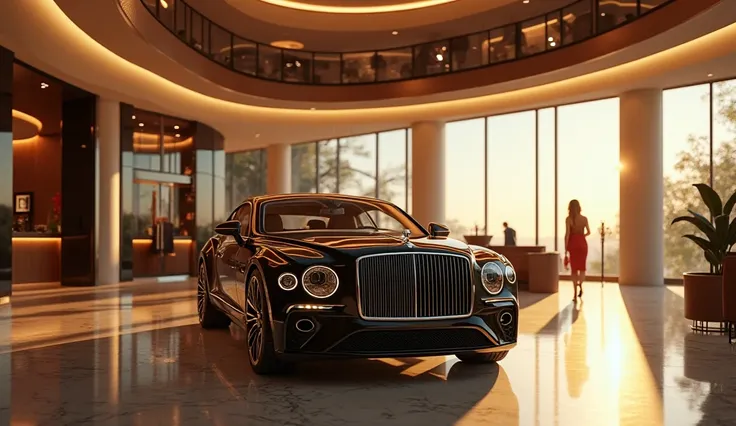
465	177
511	180
588	171
245	176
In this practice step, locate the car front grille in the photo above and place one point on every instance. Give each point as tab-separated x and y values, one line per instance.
407	286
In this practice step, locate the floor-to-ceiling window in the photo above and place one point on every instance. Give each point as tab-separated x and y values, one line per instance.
724	138
511	176
327	166
304	167
546	179
588	171
358	165
465	177
686	161
245	176
392	170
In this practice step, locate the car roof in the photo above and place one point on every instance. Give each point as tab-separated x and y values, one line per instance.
307	195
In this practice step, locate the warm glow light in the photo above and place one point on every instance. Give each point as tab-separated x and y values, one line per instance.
36	239
28	119
620	166
140	124
150	241
175	127
439	57
150	141
287	44
394	32
133	117
164	4
177	135
400	7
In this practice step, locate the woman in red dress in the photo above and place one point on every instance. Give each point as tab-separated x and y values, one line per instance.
576	229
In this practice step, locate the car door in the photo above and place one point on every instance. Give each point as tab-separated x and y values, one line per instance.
227	260
243	256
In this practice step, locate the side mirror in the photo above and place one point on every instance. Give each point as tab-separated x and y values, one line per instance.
437	230
230	228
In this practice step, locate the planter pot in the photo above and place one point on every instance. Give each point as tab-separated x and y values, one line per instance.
478	240
703	296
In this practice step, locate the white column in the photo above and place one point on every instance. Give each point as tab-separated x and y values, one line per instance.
428	172
108	197
641	254
278	169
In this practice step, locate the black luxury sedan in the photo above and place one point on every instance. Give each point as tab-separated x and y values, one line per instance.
319	275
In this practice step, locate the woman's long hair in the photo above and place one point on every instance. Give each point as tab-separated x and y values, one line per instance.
573	209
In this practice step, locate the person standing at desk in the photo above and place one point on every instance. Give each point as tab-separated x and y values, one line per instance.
509	235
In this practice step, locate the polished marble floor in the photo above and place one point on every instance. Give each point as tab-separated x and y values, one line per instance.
133	354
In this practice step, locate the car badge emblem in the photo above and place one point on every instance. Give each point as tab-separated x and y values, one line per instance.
405	236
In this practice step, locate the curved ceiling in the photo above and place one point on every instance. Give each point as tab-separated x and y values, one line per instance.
42	35
265	22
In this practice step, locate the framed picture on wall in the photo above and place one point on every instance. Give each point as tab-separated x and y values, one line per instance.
23	203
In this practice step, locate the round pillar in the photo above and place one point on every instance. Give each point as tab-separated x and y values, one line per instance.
641	253
278	169
108	141
428	172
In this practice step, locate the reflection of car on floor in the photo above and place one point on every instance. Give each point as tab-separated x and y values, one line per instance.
333	275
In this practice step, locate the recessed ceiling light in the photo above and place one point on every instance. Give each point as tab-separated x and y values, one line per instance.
439	57
550	39
710	75
603	13
553	44
394	33
288	44
526	2
164	4
133	117
176	127
177	135
140	124
44	85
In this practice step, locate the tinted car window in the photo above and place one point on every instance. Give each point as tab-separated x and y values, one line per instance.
243	215
330	215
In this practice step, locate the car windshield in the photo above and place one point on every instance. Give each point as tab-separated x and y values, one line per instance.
328	215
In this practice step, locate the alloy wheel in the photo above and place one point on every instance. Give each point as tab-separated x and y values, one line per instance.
254	319
201	291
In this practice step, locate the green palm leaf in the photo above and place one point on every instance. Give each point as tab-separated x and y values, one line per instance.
711	198
704	244
704	226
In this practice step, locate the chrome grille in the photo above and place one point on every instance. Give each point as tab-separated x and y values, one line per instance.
406	286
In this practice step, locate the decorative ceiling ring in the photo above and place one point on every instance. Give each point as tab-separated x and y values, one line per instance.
385	8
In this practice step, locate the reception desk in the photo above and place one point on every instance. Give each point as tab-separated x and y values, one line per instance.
36	258
146	263
519	257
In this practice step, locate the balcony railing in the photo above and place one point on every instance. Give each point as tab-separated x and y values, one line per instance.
553	30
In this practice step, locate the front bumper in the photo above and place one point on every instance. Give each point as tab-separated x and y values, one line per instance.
338	333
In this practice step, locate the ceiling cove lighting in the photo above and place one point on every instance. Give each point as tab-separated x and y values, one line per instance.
399	7
288	44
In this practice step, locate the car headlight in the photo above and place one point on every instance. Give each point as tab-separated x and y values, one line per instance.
287	281
492	277
510	274
320	281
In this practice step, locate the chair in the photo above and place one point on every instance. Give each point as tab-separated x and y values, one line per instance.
729	295
273	223
316	224
341	222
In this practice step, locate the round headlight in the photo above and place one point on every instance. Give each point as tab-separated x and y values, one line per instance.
288	281
320	281
492	276
510	274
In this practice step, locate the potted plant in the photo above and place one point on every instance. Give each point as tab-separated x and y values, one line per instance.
704	290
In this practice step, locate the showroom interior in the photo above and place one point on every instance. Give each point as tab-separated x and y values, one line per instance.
130	129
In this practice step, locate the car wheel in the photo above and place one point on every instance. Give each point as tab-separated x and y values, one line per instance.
209	316
259	338
476	358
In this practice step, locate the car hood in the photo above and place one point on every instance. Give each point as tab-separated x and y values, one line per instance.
349	247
